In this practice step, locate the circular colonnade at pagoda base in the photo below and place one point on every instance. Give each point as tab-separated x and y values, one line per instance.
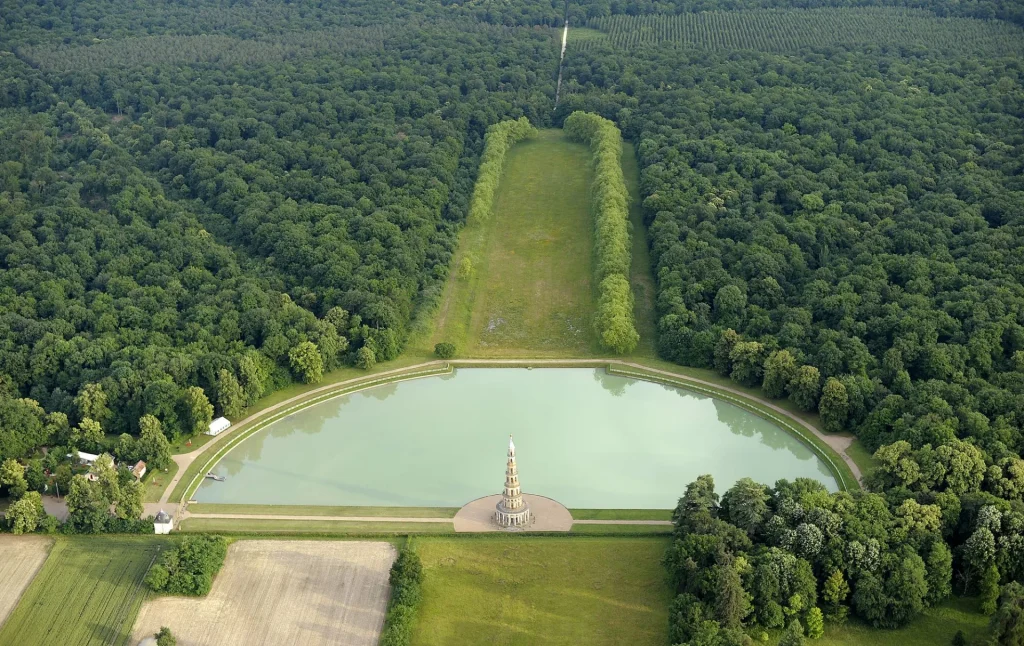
547	515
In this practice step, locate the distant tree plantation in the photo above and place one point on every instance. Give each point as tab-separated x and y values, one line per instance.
775	30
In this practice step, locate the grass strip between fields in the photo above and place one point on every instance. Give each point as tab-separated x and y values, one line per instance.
197	470
843	475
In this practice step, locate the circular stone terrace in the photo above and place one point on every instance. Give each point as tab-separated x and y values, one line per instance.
478	516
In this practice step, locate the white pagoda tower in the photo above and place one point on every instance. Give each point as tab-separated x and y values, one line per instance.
512	511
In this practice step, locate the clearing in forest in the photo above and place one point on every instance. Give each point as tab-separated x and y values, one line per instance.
284	592
87	592
530	292
20	560
542	591
530	288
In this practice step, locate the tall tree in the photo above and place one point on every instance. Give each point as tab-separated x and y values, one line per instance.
196	410
306	362
230	398
834	405
805	387
779	369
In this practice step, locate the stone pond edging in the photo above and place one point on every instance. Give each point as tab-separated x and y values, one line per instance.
228	440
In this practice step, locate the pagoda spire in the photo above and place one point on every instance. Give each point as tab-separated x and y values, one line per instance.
512	510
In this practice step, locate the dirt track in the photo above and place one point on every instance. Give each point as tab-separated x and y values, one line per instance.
283	592
20	560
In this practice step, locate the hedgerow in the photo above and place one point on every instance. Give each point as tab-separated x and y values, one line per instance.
499	138
614	319
406	576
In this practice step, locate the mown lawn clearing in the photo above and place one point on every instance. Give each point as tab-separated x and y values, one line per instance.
156	482
529	292
539	590
935	628
88	592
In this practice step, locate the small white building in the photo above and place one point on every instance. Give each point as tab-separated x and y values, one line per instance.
163	523
218	426
84	458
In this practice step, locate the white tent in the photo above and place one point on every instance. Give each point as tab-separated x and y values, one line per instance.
218	426
84	458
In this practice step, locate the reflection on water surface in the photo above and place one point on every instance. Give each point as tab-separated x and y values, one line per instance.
583	437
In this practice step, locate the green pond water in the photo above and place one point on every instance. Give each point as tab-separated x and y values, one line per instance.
583	437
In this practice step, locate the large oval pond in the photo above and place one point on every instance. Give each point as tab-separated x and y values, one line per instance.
583	437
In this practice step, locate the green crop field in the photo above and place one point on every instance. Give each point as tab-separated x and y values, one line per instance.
538	591
88	592
780	31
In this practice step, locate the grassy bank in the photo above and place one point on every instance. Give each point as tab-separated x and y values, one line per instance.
621	514
641	278
88	592
323	510
936	627
267	526
524	590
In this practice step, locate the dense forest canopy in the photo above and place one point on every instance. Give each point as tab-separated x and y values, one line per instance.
162	223
842	226
202	201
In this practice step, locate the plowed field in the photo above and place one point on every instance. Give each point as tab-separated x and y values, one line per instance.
283	592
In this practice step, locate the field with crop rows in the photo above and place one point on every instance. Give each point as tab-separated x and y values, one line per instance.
777	31
20	559
284	592
88	592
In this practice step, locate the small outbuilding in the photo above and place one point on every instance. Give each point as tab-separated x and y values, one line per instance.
84	458
163	523
218	426
139	470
